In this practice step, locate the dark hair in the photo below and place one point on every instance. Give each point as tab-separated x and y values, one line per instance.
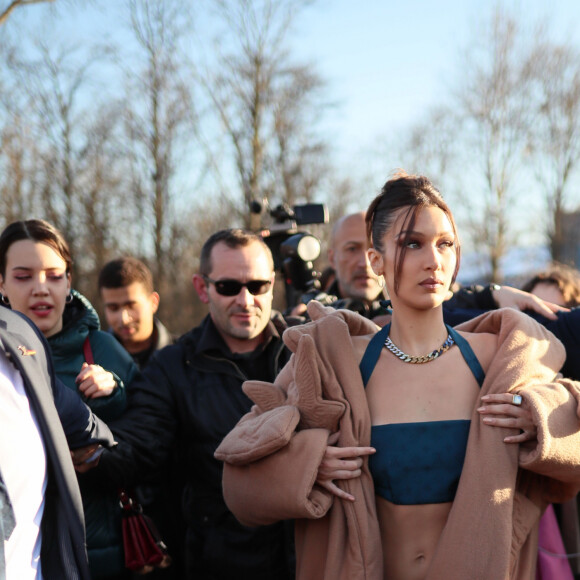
233	238
565	278
35	231
125	271
414	192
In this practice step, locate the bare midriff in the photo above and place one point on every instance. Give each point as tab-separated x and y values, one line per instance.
410	534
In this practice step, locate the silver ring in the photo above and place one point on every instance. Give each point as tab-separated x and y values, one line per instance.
516	400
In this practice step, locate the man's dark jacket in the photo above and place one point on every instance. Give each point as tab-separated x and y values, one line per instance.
63	551
190	396
332	297
159	497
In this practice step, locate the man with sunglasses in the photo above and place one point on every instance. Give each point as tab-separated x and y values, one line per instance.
190	396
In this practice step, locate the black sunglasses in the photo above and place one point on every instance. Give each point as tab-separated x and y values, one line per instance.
233	287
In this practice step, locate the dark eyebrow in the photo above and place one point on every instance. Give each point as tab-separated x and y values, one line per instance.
26	269
126	303
405	233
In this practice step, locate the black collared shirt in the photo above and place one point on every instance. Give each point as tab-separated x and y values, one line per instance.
256	364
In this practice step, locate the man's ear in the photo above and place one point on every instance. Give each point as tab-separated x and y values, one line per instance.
200	287
154	297
330	254
376	261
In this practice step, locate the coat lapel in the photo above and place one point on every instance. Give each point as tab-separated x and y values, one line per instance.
32	367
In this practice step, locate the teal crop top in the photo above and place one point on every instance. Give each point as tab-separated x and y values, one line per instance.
418	463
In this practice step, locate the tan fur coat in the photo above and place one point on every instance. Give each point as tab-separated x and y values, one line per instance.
272	456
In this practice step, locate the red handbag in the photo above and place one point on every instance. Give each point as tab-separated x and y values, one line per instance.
144	548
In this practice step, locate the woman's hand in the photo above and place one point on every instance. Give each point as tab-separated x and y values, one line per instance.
94	381
340	463
509	410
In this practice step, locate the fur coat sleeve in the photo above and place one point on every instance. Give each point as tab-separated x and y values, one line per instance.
273	455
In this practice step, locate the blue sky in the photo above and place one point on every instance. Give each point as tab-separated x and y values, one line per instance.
387	62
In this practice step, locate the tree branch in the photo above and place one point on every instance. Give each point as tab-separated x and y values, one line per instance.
15	4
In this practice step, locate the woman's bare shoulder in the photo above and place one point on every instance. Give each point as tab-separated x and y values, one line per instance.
360	343
484	345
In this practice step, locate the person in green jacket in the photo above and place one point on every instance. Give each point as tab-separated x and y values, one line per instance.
35	279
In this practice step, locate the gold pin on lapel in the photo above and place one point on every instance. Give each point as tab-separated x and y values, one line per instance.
25	351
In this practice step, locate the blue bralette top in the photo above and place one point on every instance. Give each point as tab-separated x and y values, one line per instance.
418	463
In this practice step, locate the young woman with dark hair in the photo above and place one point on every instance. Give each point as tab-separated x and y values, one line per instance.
35	279
418	451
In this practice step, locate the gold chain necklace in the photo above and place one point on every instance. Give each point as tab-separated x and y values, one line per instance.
417	360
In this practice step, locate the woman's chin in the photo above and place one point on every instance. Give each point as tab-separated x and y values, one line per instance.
47	327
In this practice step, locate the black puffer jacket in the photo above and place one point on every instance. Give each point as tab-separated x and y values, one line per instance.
188	399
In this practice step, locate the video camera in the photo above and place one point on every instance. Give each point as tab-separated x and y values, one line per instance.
294	251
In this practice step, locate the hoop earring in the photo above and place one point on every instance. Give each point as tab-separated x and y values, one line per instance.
69	298
381	281
4	299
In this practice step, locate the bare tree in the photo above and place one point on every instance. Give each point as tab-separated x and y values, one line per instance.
19	168
159	116
266	105
20	154
102	185
493	106
7	9
430	147
18	150
555	136
56	82
300	163
53	154
184	309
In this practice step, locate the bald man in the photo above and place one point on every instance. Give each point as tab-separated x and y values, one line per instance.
356	286
347	254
